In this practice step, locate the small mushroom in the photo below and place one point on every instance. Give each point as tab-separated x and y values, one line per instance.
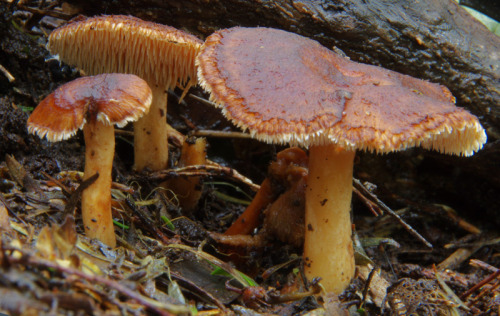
188	190
160	54
289	168
93	104
281	201
287	89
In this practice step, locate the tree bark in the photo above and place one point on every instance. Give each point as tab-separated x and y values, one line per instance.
429	39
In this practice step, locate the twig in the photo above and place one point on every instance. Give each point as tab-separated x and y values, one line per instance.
64	188
148	223
483	265
7	74
478	244
447	213
211	133
219	134
371	205
391	213
51	13
449	292
491	289
76	195
4	202
201	99
162	308
174	136
480	284
124	132
203	170
367	284
456	258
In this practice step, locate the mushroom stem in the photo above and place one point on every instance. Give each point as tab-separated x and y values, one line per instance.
328	250
188	190
150	134
251	218
96	199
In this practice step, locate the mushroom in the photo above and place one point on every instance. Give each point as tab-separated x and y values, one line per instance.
160	54
281	202
93	104
289	168
188	190
285	88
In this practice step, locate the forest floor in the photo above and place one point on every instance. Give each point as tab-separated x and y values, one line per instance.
167	261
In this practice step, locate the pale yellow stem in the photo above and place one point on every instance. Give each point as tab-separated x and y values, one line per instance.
328	250
151	135
96	199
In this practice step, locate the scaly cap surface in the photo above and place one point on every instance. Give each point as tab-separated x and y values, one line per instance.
107	98
285	88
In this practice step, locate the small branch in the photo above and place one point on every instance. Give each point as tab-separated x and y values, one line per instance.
482	265
384	207
367	284
220	134
7	206
147	222
77	194
7	74
480	284
42	12
202	100
203	170
373	207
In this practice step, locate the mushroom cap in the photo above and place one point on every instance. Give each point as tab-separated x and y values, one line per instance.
157	53
285	88
107	98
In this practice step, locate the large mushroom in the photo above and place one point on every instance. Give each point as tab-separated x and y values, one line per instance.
94	104
160	54
287	89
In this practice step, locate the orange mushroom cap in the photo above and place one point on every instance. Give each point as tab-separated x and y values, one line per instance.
285	88
107	98
158	53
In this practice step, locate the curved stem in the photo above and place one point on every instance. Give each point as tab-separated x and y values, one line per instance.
250	218
328	250
96	199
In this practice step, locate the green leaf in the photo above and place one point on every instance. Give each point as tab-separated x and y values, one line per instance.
168	222
117	223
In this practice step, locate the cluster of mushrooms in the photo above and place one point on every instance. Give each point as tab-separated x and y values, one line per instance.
280	87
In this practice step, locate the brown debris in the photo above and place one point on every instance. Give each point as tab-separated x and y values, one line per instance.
419	296
143	264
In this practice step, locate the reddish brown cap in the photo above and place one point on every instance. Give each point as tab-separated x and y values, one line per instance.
285	88
107	98
158	53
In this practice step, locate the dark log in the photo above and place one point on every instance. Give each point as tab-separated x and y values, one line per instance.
487	7
435	40
430	39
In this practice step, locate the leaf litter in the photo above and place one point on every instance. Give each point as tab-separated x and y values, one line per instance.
167	263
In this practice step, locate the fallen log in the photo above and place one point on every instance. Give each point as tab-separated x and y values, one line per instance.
430	39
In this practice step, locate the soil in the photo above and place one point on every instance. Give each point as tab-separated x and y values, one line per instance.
174	267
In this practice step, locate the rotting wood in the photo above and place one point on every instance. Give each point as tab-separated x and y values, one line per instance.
429	39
